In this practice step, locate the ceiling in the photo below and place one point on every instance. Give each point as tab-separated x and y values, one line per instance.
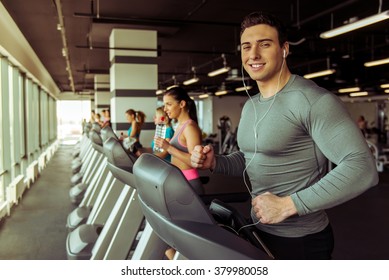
195	33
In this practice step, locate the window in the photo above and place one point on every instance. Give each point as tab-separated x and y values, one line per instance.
5	155
70	117
14	127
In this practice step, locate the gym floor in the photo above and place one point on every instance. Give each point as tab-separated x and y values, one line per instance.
36	229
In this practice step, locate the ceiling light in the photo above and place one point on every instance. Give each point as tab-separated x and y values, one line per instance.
172	86
205	95
361	93
221	92
352	89
159	91
219	71
386	90
384	86
355	25
174	83
376	62
319	74
222	70
193	80
243	88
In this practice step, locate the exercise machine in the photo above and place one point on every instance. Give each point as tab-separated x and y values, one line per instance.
181	219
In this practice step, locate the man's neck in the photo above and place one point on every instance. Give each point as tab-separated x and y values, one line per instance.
271	87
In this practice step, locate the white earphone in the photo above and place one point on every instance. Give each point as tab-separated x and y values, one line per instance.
284	56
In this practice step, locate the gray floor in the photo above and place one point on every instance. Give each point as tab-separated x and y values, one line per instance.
36	229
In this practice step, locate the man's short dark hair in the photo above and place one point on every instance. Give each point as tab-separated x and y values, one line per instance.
256	18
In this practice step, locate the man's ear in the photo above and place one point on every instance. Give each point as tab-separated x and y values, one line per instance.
286	49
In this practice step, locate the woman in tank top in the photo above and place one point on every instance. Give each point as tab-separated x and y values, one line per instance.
136	119
179	106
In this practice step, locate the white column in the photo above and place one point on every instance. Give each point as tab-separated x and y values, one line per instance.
133	78
102	93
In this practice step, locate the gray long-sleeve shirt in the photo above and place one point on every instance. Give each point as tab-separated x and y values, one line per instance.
297	130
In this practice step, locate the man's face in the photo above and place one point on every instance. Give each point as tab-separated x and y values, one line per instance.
261	52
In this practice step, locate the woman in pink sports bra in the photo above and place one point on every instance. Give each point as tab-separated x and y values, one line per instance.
179	106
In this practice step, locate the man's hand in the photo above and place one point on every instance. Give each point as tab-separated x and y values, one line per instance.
203	157
272	209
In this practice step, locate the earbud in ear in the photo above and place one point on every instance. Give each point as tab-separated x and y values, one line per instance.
284	56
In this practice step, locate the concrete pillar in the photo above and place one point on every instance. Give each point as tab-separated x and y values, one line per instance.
102	98
133	78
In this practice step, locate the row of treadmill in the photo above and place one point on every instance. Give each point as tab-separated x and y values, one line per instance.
130	208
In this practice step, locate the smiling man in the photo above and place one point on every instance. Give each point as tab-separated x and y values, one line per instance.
287	133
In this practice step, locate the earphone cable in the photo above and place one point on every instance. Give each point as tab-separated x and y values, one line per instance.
257	122
255	133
